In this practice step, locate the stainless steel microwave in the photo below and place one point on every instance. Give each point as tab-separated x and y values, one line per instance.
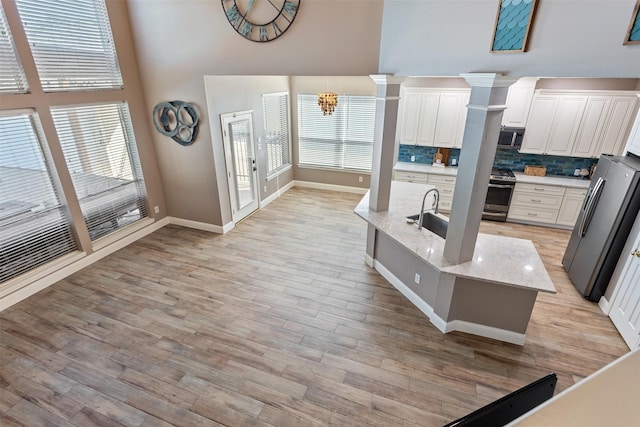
510	138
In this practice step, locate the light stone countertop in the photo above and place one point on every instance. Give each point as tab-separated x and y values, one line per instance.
503	260
563	181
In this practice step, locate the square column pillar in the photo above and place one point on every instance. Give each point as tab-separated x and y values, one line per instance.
387	99
479	143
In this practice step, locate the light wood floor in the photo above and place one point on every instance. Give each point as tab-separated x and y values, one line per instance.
279	322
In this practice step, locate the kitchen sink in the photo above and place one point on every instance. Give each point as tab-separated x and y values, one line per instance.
431	222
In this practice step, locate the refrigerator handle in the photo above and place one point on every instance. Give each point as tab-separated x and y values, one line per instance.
590	207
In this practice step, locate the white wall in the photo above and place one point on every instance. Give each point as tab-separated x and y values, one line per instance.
570	38
178	42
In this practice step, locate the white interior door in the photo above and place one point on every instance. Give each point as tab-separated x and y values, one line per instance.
242	175
625	302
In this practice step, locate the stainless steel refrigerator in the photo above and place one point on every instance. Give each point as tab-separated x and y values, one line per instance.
605	220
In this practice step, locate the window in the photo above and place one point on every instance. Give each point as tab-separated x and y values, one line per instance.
34	228
99	148
71	43
12	77
276	128
343	140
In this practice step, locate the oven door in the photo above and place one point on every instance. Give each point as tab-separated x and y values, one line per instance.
498	198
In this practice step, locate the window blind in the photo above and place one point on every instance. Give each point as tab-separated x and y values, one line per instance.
12	77
343	140
34	228
71	43
99	148
276	128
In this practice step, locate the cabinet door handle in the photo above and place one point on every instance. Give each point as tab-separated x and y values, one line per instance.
531	214
536	200
538	189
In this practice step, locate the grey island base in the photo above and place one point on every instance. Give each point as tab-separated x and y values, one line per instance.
492	295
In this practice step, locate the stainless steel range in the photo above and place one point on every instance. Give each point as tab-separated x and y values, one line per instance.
501	184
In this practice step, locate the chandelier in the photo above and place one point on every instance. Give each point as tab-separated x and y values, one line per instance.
327	102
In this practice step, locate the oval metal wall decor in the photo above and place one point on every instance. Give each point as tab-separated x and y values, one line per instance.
178	120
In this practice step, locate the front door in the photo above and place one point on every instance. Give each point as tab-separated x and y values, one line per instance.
237	132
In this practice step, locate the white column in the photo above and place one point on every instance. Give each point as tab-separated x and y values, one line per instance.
486	105
387	99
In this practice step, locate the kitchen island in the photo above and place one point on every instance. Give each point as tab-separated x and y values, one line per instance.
492	295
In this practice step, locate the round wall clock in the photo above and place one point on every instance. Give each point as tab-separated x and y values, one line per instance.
261	20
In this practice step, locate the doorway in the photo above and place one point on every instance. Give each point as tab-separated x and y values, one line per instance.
242	170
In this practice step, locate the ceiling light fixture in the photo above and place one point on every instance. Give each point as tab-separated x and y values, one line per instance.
327	102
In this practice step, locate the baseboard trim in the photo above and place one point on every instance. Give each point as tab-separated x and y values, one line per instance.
276	194
605	305
453	325
330	187
201	225
368	259
42	278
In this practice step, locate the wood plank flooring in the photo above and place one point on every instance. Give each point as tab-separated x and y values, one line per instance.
279	323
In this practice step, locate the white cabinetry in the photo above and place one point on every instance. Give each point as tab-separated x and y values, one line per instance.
579	124
633	144
433	117
535	202
444	183
518	102
571	204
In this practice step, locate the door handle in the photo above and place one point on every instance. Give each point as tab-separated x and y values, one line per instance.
636	253
590	207
253	163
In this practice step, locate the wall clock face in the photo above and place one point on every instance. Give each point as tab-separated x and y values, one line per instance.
261	20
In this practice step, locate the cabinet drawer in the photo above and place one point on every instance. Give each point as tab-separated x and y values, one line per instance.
442	180
539	189
445	205
546	201
577	193
420	178
533	214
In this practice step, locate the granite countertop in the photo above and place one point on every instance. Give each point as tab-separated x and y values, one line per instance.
563	181
503	260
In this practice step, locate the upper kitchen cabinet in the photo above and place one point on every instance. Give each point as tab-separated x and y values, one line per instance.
518	102
633	143
433	117
579	124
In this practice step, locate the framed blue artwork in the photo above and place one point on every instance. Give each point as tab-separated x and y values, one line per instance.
633	33
513	23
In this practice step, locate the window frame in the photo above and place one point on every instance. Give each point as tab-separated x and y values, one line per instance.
341	130
283	165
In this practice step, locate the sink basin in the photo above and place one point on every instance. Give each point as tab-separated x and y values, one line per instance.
431	222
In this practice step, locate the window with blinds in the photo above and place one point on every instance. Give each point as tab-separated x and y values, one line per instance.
71	43
99	148
12	77
276	128
34	228
343	140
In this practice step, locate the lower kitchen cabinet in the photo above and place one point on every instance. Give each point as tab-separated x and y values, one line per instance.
571	204
444	183
536	203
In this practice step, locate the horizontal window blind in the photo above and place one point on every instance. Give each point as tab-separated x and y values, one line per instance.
276	127
100	151
34	228
71	43
343	140
12	77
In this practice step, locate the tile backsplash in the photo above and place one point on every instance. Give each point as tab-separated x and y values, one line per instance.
556	165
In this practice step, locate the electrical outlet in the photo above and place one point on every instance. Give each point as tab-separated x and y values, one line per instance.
576	172
156	209
413	158
417	279
360	179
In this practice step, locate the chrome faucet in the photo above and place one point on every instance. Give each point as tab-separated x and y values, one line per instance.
434	206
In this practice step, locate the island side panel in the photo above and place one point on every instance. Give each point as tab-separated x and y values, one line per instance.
489	304
371	243
404	265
